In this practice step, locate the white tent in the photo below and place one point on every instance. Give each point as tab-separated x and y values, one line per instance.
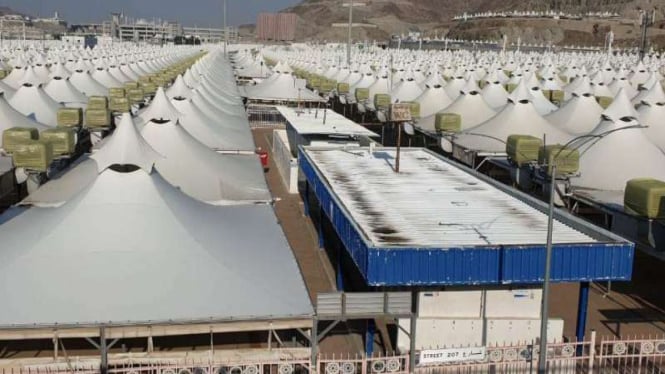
495	95
281	88
105	78
160	108
173	257
179	89
578	115
517	118
622	153
202	173
62	91
10	117
221	132
469	105
652	115
432	100
619	150
83	81
33	102
406	90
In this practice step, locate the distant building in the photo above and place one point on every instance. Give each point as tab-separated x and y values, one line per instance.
276	26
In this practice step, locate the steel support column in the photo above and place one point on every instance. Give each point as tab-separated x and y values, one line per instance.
306	199
103	351
369	337
412	332
582	305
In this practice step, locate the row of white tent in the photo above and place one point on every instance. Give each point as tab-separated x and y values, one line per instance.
156	212
534	14
616	144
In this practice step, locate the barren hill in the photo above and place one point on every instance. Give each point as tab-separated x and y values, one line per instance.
435	17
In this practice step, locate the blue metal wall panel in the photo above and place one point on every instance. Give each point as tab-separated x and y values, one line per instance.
570	263
342	224
468	266
455	266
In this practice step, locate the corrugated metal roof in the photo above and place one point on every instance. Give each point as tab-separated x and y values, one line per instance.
431	203
582	252
310	121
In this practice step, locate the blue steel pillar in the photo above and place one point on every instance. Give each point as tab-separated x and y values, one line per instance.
306	199
369	337
340	274
582	305
319	228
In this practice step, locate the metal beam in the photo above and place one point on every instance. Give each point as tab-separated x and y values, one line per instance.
327	330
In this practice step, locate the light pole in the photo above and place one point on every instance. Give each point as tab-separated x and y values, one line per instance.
348	42
226	31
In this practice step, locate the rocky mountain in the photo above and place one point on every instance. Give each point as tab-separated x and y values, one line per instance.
382	18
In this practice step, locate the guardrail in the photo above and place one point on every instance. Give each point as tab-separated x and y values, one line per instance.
605	356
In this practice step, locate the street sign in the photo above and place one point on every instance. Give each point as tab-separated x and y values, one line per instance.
442	356
400	112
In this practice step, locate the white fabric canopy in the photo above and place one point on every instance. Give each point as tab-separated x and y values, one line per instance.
175	259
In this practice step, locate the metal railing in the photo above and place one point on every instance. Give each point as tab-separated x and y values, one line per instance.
265	116
606	356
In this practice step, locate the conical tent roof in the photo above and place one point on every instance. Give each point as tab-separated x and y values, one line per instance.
578	116
221	132
495	95
12	80
62	91
213	109
517	118
651	96
651	115
471	107
105	78
282	88
10	117
620	107
621	152
432	100
33	102
83	81
203	173
126	147
380	86
154	235
406	90
179	89
160	108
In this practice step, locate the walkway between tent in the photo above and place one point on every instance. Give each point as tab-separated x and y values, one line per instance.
315	266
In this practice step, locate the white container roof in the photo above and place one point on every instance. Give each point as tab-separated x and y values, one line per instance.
430	203
308	121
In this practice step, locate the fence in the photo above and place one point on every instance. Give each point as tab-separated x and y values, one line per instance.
265	116
608	356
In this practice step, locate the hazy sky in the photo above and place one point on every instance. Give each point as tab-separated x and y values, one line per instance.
188	12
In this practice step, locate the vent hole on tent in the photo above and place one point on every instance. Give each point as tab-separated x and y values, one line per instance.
160	121
626	119
180	98
124	168
27	84
57	78
523	101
